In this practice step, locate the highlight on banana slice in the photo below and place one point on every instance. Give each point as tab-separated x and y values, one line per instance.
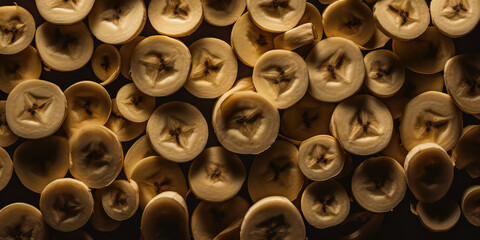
120	199
6	168
276	16
140	150
133	104
22	221
18	29
64	12
469	205
296	37
19	67
7	137
385	73
455	18
124	129
175	18
126	51
106	63
466	151
99	219
222	13
378	40
439	216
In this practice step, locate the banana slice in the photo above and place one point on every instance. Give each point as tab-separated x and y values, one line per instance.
439	216
19	67
75	235
99	219
429	172
117	22
106	63
385	73
66	204
470	206
362	124
17	29
96	156
312	15
455	18
160	65
466	151
64	48
222	13
272	218
175	18
325	204
137	152
336	69
7	137
6	168
378	40
35	109
274	15
64	11
296	37
122	127
275	172
214	68
120	199
155	175
22	221
431	117
126	51
402	19
133	104
395	148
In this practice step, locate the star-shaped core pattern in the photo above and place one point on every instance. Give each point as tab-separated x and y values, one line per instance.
176	9
456	9
35	108
10	31
276	8
246	121
95	155
326	206
334	66
207	68
272	228
379	72
68	207
471	84
402	12
176	131
429	125
158	67
363	126
320	156
280	78
66	4
215	173
277	166
116	13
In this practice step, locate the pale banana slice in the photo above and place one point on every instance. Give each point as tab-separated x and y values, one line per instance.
175	18
275	172
22	221
66	204
64	48
125	129
296	37
120	199
466	152
336	69
6	168
75	235
429	172
470	206
222	13
214	68
362	124
106	63
138	151
7	137
276	15
99	219
64	11
17	27
117	22
273	218
19	67
35	109
431	117
126	51
96	156
160	65
385	73
439	216
378	40
395	148
133	104
402	19
455	18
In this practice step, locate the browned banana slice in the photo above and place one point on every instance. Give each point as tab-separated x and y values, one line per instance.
133	104
276	15
99	219
466	152
120	199
19	67
439	216
64	11
125	129
470	205
175	18
137	152
222	13
455	18
7	137
385	73
378	40
106	63
17	27
126	51
6	168
395	148
22	221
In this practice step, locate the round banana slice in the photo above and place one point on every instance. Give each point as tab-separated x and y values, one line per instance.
96	156
126	51
22	221
155	175
7	137
19	67
214	68
35	109
273	218
17	29
99	219
177	131
250	42
429	172
336	69
439	216
133	104
64	48
378	40
175	18
281	76
402	19
466	152
222	13
64	11
160	65
138	151
455	18
6	168
66	204
276	15
117	22
385	73
470	205
120	199
125	129
75	235
431	117
275	172
106	63
362	124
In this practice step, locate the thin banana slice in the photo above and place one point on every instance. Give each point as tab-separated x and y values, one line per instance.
96	156
175	18
106	63
7	137
138	151
66	204
470	205
429	172
19	67
385	73
214	68
455	18
120	199
275	15
99	219
275	172
296	37
17	29
431	117
64	11
336	69
75	235
22	221
35	109
126	51
466	152
222	13
64	48
402	19
378	40
125	129
325	204
160	65
6	168
117	22
133	104
439	216
395	148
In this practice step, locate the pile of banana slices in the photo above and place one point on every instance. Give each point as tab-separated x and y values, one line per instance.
270	120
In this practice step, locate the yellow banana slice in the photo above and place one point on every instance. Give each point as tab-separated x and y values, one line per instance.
106	63
133	104
470	205
465	154
222	13
22	221
7	137
439	216
64	11
455	18
126	51
296	37
19	67
17	29
99	219
175	18
385	73
137	152
122	127
120	199
276	15
6	168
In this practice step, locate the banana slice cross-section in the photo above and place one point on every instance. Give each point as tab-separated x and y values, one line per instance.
455	18
106	63
7	137
19	67
99	219
439	216
175	18
17	29
22	221
140	150
276	15
466	152
125	129
120	199
222	13
385	73
64	11
133	104
470	205
6	168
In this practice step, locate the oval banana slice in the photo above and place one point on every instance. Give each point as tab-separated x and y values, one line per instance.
137	152
7	137
439	216
126	51
466	152
325	204
64	11
429	172
19	67
125	129
133	104
385	73
6	168
120	199
175	18
17	29
99	219
455	18
275	15
222	13
273	218
66	204
35	109
22	221
106	63
470	200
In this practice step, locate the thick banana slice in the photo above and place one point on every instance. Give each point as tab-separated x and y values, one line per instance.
6	168
64	48
137	152
313	16
120	199
466	152
395	148
106	63
117	22
385	73
125	129
214	68
75	235
133	104
99	219
378	40
470	205
296	37
17	29
455	18
22	221
35	109
439	216
64	11
66	204
160	65
402	19
276	15
429	172
275	172
7	137
126	51
19	67
431	117
222	13
362	124
96	156
336	69
175	18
